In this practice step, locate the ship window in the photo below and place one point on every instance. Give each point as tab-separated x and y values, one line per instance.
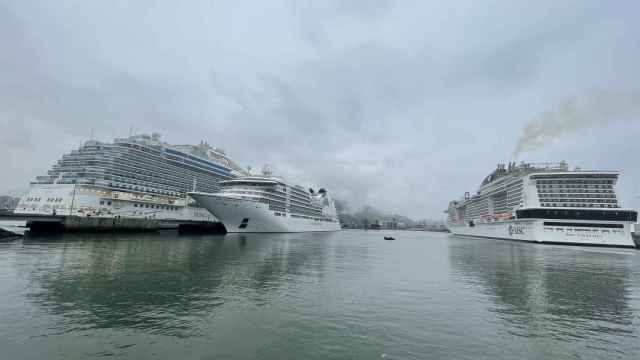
109	203
101	202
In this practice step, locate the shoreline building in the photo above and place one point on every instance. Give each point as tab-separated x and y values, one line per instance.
8	202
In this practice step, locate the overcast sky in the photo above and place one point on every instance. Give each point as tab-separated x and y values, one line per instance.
397	104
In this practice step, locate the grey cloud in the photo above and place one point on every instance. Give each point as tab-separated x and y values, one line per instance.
398	105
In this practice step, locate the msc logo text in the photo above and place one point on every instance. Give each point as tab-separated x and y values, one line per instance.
516	229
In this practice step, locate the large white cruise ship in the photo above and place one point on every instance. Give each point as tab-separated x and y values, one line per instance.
547	203
138	177
268	204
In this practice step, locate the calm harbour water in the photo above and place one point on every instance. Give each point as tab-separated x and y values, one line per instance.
346	295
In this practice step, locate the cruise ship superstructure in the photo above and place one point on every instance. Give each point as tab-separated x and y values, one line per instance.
269	204
138	177
545	203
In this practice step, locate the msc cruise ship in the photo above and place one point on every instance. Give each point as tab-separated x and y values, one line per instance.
135	177
545	203
268	204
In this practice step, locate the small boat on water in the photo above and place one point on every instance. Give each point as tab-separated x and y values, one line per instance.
389	238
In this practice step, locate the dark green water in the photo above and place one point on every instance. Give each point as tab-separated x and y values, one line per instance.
347	295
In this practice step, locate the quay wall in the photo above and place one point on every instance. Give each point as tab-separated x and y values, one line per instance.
53	224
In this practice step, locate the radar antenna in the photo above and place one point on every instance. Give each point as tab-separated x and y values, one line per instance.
267	170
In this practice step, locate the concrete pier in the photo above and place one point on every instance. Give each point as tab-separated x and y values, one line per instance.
57	223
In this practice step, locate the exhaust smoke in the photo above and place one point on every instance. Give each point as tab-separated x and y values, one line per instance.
597	108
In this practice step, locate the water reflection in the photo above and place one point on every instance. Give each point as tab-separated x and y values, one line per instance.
163	284
349	294
540	290
285	260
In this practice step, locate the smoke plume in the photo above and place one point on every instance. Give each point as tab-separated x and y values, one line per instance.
597	108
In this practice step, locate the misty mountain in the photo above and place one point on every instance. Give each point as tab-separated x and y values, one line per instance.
367	213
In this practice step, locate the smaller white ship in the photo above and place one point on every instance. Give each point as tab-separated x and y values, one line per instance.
268	204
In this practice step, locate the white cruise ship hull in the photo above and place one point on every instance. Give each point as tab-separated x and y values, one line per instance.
574	232
239	216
